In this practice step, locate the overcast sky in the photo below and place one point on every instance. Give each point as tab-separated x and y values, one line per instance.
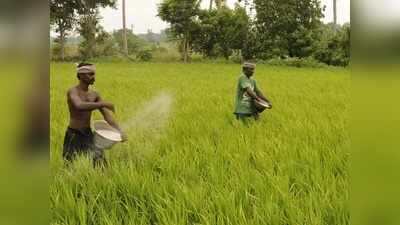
142	14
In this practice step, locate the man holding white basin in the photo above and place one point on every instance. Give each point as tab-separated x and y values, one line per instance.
81	102
250	101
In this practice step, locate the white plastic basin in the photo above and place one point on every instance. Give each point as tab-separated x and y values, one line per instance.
105	136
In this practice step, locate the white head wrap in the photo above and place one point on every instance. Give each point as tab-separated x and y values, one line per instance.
249	65
86	69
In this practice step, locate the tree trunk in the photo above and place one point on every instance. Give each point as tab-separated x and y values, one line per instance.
124	38
211	4
226	55
185	50
334	13
62	44
92	37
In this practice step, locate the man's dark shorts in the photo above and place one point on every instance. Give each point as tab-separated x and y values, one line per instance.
77	142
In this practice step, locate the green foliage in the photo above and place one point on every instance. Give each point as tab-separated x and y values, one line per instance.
182	16
55	51
88	11
208	34
166	52
287	28
238	29
89	26
70	51
64	14
286	32
236	57
221	32
334	47
63	19
154	38
179	13
144	55
134	42
106	44
87	7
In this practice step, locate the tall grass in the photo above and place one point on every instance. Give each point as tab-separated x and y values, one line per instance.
202	166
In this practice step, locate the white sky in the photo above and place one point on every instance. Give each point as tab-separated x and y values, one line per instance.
142	14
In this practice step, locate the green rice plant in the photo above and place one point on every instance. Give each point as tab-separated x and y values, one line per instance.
189	161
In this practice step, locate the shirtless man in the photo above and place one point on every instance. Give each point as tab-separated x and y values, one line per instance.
81	102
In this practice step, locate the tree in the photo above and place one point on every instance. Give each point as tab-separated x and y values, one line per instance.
287	28
182	16
208	35
88	11
134	43
88	28
221	31
334	46
62	16
240	29
105	43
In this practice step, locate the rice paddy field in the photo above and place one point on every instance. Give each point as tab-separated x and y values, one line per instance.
189	161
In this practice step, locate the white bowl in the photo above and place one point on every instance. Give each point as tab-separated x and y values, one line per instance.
105	136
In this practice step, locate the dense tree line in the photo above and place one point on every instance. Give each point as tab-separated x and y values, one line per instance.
276	30
281	29
82	16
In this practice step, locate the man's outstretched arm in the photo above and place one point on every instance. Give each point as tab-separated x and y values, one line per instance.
87	106
258	95
108	116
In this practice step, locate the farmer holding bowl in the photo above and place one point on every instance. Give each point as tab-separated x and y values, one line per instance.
250	101
81	102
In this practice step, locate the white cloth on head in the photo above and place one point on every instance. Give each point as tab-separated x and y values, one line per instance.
87	69
249	65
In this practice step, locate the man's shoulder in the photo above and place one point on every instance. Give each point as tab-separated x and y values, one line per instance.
241	77
93	92
72	90
244	78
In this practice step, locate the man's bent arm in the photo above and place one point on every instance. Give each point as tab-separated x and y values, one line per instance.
107	115
252	93
81	105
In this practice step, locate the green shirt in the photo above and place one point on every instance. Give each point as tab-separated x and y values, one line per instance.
244	103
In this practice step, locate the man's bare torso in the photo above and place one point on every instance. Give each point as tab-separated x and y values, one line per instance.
80	119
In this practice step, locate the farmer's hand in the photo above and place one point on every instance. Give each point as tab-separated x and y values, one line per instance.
109	106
